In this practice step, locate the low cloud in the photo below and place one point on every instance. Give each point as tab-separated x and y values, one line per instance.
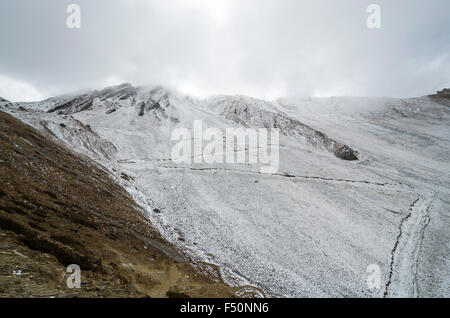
18	91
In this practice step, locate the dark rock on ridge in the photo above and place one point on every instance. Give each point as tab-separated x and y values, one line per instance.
346	153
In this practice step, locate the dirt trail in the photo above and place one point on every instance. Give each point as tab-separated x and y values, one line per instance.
402	280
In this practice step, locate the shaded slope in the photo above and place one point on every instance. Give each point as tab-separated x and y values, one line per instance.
58	209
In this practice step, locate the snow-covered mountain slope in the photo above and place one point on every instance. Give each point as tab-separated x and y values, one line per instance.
251	112
313	228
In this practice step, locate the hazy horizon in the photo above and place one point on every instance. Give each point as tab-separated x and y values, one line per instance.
172	89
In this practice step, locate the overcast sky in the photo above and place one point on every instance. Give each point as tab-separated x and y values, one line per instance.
262	48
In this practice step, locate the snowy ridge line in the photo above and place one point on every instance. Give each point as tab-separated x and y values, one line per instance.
402	280
337	180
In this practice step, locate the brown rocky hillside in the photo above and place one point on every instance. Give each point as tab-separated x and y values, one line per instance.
58	209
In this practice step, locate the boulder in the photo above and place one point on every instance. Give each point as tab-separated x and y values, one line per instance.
346	153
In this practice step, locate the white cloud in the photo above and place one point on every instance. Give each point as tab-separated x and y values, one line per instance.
263	48
111	81
15	90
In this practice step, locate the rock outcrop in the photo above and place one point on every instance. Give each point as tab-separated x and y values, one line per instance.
251	112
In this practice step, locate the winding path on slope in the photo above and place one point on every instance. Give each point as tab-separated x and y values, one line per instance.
402	280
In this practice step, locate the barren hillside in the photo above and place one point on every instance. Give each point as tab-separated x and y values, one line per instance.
57	208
